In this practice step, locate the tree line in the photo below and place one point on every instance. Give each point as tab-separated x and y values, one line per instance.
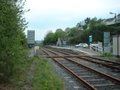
81	32
12	38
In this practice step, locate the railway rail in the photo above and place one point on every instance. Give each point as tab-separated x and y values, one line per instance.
110	64
90	78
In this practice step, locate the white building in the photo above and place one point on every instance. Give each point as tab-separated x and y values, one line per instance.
31	38
111	21
116	44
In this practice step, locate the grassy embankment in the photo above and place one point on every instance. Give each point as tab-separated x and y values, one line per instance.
42	76
45	78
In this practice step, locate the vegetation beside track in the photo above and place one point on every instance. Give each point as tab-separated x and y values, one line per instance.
44	76
18	79
36	74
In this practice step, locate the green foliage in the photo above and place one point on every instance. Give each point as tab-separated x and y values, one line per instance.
94	27
106	55
59	34
37	74
73	35
20	71
45	78
51	38
87	22
84	36
12	38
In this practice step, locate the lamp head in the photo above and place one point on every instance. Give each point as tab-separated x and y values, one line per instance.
111	13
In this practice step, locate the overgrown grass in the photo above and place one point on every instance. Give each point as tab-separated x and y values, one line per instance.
44	77
19	78
107	55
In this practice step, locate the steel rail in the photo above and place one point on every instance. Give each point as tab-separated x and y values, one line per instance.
84	82
115	80
91	57
104	60
99	62
90	60
63	56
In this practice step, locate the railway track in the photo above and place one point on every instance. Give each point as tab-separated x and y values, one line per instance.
110	64
90	78
99	64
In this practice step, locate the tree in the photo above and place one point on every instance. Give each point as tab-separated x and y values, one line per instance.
49	39
59	34
93	27
87	21
12	38
72	35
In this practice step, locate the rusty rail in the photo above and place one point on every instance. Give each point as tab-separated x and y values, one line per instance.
84	83
106	63
116	80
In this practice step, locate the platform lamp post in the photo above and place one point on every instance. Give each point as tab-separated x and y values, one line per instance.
114	15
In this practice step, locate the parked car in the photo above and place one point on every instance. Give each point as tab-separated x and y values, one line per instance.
84	45
78	45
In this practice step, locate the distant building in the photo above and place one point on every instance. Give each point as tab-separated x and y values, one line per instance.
111	21
31	38
115	35
118	18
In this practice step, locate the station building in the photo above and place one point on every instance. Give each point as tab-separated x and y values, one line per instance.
116	35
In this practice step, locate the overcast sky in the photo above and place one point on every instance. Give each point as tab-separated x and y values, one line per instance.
46	15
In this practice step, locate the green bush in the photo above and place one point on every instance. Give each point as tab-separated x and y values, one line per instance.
12	38
45	78
107	54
